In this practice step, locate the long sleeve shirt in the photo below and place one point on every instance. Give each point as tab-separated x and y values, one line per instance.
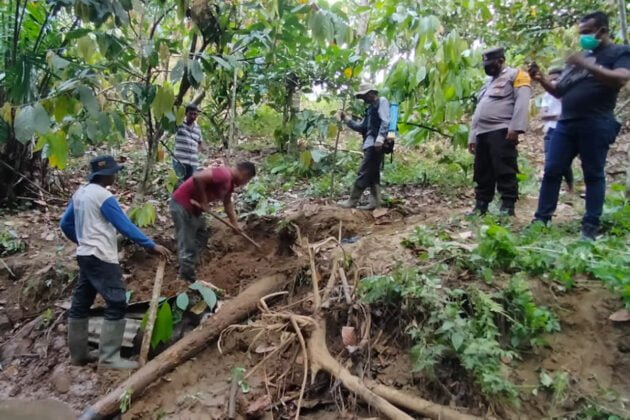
503	103
373	130
91	220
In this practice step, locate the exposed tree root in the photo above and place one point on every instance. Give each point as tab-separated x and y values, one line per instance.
322	360
419	405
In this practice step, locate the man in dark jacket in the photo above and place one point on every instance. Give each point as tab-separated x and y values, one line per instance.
588	87
374	128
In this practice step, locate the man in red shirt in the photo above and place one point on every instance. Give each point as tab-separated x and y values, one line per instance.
192	199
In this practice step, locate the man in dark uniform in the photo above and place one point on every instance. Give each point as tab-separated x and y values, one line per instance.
374	128
502	114
589	87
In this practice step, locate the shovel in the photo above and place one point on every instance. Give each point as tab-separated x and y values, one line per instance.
228	224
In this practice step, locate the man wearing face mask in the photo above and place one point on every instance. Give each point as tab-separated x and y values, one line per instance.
589	87
500	116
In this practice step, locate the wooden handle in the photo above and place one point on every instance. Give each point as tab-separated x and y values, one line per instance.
228	224
155	299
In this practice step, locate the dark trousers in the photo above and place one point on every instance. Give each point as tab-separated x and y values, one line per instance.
192	237
568	173
495	167
590	139
97	276
370	170
183	171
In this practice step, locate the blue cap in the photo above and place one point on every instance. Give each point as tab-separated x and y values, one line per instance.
103	165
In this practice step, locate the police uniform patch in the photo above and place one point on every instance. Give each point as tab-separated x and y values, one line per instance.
522	79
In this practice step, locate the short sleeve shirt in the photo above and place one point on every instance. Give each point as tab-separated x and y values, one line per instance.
221	186
584	96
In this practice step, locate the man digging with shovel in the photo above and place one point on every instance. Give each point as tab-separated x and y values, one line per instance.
192	199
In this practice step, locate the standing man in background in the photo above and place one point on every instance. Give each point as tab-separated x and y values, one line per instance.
91	221
374	128
187	141
502	113
589	87
550	110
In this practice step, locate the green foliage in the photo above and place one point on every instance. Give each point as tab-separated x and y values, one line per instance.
10	243
449	323
163	329
238	375
182	301
207	294
143	215
263	122
124	400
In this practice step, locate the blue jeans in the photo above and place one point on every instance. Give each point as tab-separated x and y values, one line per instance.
568	173
590	139
97	276
183	171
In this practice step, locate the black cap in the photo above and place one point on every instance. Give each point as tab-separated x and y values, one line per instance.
103	165
493	54
192	107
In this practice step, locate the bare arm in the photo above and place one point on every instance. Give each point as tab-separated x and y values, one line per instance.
228	206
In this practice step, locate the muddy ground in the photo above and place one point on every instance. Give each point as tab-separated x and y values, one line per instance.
34	358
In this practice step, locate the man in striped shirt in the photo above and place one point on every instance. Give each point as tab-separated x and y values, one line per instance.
187	141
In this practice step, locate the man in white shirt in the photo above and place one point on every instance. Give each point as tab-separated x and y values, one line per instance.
550	111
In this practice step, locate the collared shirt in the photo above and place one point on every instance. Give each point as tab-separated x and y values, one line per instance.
503	103
187	142
550	108
369	139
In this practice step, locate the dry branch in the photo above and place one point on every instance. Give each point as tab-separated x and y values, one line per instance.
231	312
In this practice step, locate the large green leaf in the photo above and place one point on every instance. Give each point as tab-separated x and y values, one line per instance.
163	101
29	120
89	100
207	293
41	120
196	72
163	329
86	47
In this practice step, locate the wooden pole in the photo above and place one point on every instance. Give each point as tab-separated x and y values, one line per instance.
231	312
228	224
153	307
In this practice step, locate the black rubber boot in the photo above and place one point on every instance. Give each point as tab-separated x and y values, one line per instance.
111	341
507	208
589	232
78	342
481	208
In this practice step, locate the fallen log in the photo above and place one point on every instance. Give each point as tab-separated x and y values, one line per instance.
231	312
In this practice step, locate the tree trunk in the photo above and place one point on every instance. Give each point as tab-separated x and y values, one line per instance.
233	311
19	170
147	172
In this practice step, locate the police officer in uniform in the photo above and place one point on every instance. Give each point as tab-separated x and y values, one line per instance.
374	128
500	116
